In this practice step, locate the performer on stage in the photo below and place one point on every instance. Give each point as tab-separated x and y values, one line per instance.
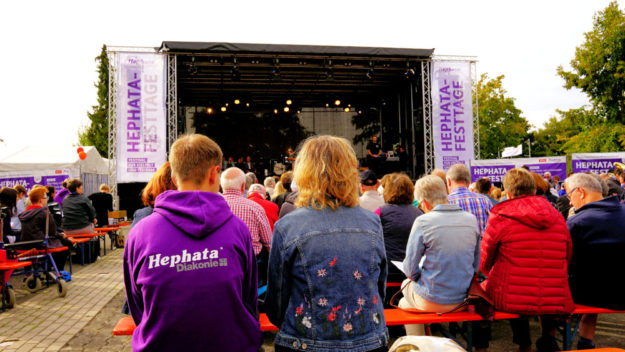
374	150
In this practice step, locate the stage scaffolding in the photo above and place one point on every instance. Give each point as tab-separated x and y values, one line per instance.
419	92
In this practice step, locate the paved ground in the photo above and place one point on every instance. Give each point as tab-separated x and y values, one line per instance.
84	319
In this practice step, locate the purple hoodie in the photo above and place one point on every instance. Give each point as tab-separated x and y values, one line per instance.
61	195
190	276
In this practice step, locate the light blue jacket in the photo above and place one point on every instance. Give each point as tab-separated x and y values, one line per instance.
326	280
443	254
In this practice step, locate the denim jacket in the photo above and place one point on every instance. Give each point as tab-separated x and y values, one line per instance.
443	254
326	280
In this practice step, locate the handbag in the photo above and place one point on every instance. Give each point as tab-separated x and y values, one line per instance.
476	297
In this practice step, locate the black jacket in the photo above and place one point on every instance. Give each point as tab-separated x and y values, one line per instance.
598	234
77	212
103	203
397	222
34	227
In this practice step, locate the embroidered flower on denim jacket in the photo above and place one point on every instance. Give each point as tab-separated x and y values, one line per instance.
375	299
299	310
357	275
322	272
361	301
347	327
332	262
336	309
358	310
331	316
322	302
306	322
376	319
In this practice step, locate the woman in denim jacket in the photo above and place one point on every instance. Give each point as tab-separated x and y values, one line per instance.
327	265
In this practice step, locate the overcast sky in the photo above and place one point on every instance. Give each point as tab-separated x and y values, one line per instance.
47	67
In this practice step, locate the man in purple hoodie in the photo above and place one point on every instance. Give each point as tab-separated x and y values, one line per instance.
189	268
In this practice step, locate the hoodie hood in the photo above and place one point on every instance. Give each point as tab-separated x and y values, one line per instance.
196	213
29	215
533	211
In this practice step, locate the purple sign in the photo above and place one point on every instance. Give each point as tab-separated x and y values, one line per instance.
596	166
495	173
29	181
556	169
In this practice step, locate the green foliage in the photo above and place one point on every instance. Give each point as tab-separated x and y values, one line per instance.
96	133
599	64
580	130
367	124
501	123
244	133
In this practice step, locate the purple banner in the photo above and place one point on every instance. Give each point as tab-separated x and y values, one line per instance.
496	169
596	166
452	113
495	173
29	181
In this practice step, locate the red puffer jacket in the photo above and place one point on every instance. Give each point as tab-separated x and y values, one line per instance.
525	252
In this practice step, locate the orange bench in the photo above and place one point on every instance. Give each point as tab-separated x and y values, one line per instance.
570	331
126	325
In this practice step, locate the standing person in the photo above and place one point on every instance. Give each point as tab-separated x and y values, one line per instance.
484	186
103	203
370	199
458	181
598	235
321	294
525	252
442	253
374	150
189	267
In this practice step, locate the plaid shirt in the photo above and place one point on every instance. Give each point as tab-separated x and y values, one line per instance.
476	204
253	215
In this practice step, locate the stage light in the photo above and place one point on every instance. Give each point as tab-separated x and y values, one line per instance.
223	109
275	72
359	112
247	104
349	105
237	101
346	109
337	102
286	109
209	110
329	73
370	71
227	104
298	112
327	105
275	111
289	102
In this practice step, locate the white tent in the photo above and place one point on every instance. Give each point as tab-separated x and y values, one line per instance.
50	166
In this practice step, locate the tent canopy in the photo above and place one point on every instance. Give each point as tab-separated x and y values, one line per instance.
47	158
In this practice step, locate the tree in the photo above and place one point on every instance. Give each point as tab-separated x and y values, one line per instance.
599	64
96	133
501	123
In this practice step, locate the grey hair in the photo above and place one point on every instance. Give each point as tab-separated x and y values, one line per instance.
585	181
459	172
250	178
270	182
232	178
257	188
605	190
432	189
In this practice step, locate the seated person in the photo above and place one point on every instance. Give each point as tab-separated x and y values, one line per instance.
8	199
160	182
525	252
598	235
78	213
34	225
442	253
189	268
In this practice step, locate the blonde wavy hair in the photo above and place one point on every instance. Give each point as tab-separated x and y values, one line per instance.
326	173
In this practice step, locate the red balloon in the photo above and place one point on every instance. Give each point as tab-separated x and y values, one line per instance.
82	155
79	150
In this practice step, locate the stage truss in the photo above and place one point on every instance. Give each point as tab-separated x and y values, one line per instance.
172	108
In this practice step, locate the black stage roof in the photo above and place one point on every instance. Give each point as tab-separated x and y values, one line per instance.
210	74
